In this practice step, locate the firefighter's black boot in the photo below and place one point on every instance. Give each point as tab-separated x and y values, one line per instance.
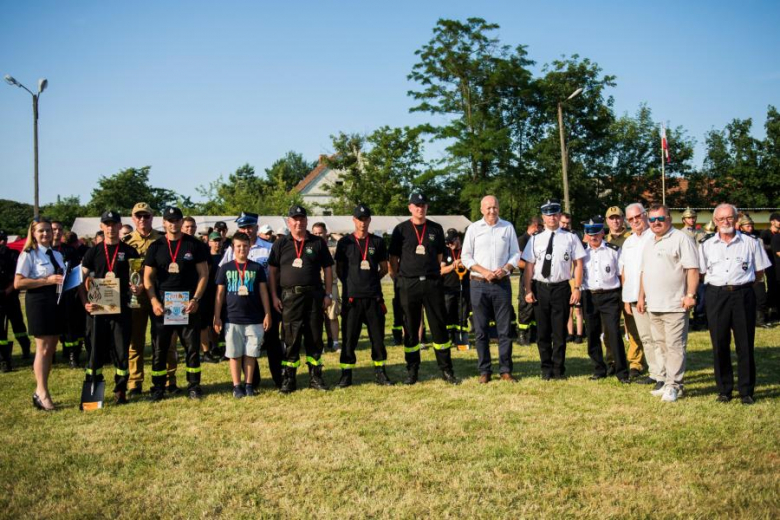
413	373
315	378
398	337
346	378
74	355
288	380
5	353
381	377
444	360
24	342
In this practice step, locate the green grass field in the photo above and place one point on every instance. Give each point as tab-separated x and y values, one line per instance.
573	448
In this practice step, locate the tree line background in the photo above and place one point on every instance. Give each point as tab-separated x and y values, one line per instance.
498	126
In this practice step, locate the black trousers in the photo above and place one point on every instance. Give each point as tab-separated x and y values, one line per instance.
355	312
456	309
604	309
11	310
189	335
552	314
733	312
272	344
302	319
75	320
398	311
525	310
416	294
110	336
762	308
493	301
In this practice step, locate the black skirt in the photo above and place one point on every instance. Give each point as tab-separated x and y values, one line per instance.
44	316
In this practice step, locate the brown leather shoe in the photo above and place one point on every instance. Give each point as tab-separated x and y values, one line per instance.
506	376
484	379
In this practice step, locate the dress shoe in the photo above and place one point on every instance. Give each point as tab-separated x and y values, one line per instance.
120	397
484	379
723	398
196	393
449	377
38	403
747	400
506	376
596	377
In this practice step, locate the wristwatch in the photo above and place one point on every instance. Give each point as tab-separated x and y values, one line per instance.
196	299
329	295
689	295
577	288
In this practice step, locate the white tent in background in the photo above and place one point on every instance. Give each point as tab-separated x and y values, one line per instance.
88	226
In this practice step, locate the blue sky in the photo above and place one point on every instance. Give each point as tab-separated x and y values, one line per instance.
196	89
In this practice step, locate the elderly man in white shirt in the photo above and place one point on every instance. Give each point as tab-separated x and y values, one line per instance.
638	325
731	262
490	252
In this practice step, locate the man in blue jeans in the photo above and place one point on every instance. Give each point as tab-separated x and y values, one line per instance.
490	252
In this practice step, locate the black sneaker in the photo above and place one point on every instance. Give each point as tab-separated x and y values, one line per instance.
173	389
196	393
570	338
578	339
249	390
723	398
238	392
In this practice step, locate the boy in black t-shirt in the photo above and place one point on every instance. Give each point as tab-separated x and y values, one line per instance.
175	263
109	334
242	286
457	300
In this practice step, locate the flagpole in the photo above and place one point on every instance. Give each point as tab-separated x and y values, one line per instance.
663	178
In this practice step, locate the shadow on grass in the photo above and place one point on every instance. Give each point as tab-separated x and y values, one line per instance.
701	362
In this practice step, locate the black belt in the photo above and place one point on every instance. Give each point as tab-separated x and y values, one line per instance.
300	289
731	288
603	291
552	284
482	280
422	278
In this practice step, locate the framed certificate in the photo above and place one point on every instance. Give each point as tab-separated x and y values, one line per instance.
104	294
174	303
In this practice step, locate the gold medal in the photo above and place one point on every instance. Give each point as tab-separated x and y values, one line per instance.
298	263
420	250
110	275
173	268
243	291
364	265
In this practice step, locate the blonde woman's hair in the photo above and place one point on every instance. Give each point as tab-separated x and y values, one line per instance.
31	243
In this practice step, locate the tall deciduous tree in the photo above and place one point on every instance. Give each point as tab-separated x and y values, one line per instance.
289	170
124	189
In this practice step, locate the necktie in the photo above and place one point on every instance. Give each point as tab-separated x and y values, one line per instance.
57	268
547	265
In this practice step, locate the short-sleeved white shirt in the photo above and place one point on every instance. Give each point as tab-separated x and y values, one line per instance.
600	270
735	263
567	248
664	264
631	263
35	263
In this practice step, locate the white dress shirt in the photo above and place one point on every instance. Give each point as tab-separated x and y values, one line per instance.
733	263
567	247
491	247
601	271
631	264
35	264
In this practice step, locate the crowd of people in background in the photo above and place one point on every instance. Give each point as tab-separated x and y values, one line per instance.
628	276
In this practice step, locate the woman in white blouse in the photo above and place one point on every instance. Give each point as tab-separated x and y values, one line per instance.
39	272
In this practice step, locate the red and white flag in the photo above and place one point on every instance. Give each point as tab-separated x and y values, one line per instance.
664	144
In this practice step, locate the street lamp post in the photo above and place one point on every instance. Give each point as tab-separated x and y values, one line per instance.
564	154
42	84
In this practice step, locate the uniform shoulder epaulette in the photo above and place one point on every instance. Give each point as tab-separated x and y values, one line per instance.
612	246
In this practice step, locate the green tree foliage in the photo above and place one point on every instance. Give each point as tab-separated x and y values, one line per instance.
245	191
15	217
381	170
288	171
65	210
124	189
635	160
